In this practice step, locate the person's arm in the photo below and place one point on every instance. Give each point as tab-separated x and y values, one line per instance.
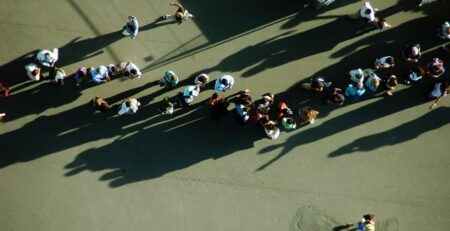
434	104
176	5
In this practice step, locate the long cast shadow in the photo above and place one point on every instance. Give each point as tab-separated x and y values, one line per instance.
402	133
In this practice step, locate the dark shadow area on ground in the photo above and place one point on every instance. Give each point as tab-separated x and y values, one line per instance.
290	46
403	99
402	133
78	50
234	19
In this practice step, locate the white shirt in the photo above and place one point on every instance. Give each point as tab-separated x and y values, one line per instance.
190	92
30	68
53	57
362	12
129	110
354	74
132	66
222	87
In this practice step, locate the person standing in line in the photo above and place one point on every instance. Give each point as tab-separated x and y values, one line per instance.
131	28
444	31
166	107
132	71
411	53
33	71
169	80
101	104
366	13
384	62
57	75
48	58
180	15
224	83
100	74
201	79
436	68
129	106
308	114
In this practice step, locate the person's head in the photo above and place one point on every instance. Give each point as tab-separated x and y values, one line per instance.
36	71
369	217
269	125
336	99
179	17
114	69
392	81
317	85
100	71
368	11
447	30
130	17
290	120
245	92
390	60
215	96
48	55
420	71
224	81
133	72
128	103
359	76
375	82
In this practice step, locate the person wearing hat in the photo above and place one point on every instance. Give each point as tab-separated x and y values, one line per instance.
224	83
179	16
100	74
411	53
131	28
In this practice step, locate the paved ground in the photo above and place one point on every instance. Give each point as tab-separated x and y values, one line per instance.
64	167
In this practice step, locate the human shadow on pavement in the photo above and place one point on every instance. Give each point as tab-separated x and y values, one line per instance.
402	34
156	148
405	132
403	99
289	46
235	19
79	49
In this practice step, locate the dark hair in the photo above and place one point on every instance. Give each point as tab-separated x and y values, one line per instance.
368	11
224	81
215	95
128	103
369	216
133	71
390	60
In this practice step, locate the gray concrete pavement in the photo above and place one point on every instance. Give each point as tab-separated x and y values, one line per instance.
64	167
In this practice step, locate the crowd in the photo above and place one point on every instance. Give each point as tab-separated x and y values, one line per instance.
263	112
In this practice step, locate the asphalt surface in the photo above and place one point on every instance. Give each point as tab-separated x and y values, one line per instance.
65	167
